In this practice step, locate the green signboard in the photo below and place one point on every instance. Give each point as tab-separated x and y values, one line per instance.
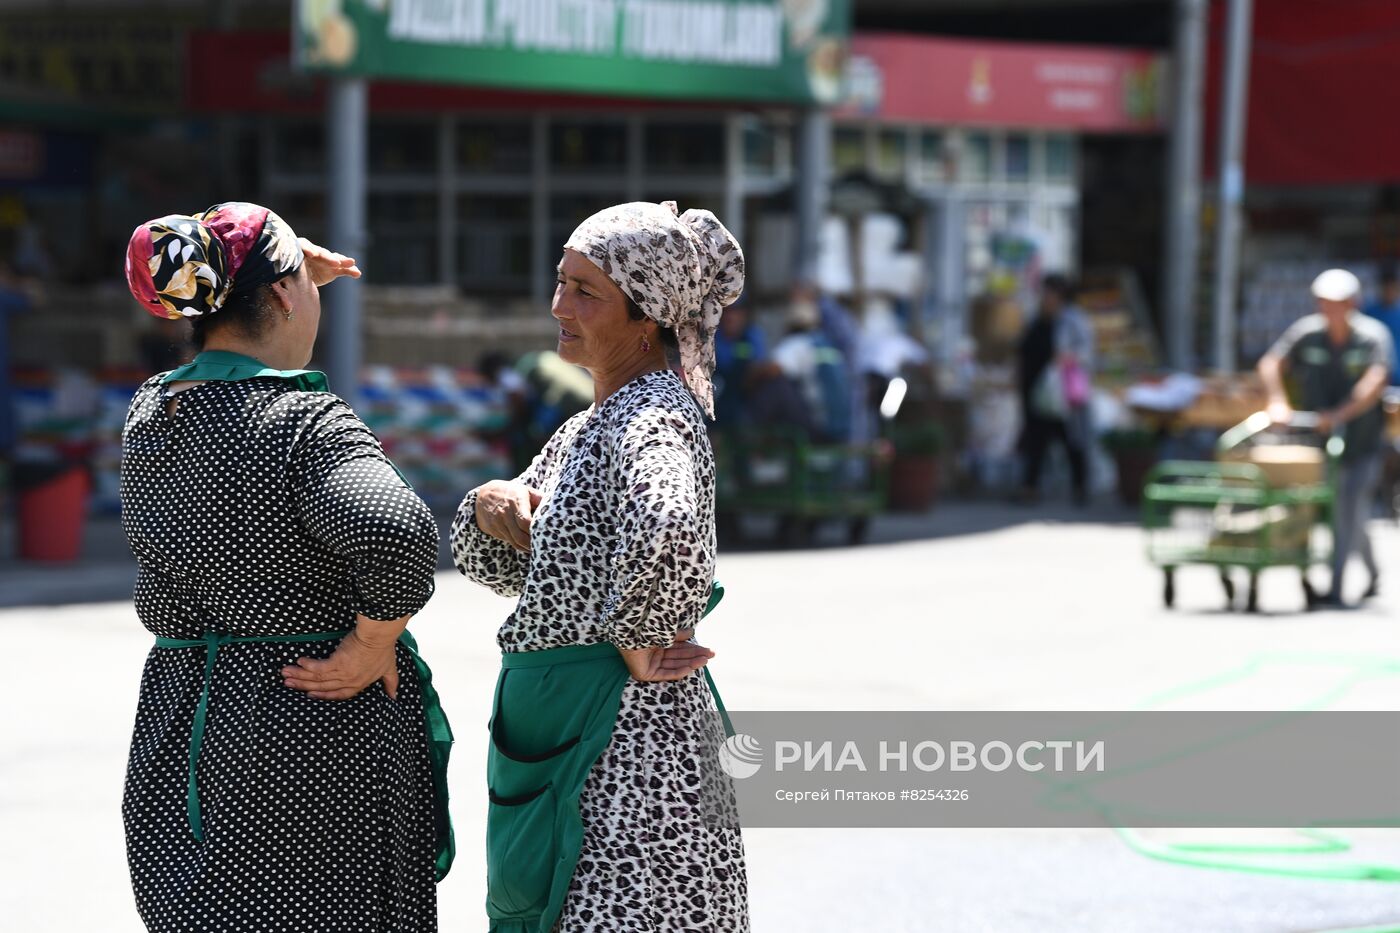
790	51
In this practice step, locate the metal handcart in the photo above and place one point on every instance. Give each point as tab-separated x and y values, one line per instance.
1390	454
1236	512
781	473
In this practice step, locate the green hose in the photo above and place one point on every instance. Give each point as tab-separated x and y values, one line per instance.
1281	860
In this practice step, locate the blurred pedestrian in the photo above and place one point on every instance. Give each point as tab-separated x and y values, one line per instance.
597	820
843	331
1386	309
1339	361
808	356
740	351
512	392
1055	357
279	556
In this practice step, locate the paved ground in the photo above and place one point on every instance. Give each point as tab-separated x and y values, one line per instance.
973	607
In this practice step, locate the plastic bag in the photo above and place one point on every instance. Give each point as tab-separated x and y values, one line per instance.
1048	398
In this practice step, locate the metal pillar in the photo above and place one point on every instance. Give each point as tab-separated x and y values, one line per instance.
346	115
733	217
545	252
1233	113
447	199
813	163
1184	185
226	170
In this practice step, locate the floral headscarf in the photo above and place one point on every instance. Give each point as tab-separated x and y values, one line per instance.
680	270
182	265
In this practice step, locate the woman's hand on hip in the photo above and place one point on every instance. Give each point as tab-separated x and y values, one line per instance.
652	665
364	656
505	509
324	265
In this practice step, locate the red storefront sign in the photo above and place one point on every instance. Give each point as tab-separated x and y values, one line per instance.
918	79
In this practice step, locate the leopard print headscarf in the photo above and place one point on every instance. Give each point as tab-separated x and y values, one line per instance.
681	270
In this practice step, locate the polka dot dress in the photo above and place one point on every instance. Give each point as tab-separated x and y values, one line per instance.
257	509
623	550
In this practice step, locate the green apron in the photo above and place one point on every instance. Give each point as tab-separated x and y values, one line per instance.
438	730
552	718
224	366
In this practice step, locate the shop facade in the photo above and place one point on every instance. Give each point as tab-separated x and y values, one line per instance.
989	135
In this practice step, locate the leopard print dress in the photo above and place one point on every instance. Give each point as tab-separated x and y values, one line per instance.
623	550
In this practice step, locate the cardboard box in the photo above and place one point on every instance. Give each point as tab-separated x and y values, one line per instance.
1284	465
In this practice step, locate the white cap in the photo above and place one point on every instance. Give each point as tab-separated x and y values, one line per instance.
1336	285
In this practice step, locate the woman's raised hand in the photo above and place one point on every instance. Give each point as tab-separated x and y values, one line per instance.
504	510
324	265
654	665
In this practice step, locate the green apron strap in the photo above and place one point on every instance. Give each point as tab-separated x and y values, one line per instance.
719	704
716	594
439	750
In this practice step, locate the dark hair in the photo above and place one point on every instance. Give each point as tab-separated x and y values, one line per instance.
1058	285
250	314
668	335
1390	275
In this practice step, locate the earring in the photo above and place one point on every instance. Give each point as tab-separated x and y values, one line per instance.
646	344
288	313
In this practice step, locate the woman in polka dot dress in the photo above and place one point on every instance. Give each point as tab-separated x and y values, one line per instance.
608	541
281	776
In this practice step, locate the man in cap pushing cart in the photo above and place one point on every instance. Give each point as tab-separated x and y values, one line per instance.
1339	363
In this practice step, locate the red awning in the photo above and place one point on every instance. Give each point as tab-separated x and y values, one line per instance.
1321	79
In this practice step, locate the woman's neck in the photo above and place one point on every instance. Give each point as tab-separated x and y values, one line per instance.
607	383
263	353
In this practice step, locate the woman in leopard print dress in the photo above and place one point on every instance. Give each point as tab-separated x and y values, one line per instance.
609	537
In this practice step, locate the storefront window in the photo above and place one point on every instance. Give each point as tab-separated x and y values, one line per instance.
848	149
1018	157
761	148
567	211
494	147
1059	158
304	212
299	148
934	156
493	242
704	201
977	157
683	148
403	249
890	153
588	146
403	148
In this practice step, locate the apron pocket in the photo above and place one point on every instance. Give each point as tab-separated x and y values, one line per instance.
531	757
520	852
